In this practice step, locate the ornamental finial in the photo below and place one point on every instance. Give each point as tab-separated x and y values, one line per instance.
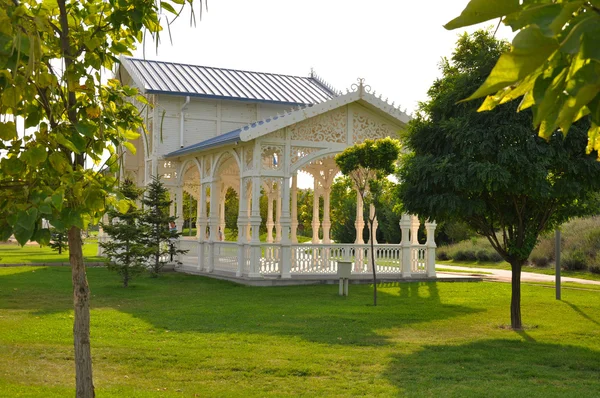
361	87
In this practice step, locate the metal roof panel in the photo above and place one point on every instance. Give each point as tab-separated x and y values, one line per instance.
200	81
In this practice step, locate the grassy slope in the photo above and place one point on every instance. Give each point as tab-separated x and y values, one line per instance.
31	254
185	336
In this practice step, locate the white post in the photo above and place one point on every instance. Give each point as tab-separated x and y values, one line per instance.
270	223
221	236
430	228
179	220
285	256
255	223
414	230
213	220
241	224
359	223
248	214
315	218
278	213
294	194
201	226
406	246
326	219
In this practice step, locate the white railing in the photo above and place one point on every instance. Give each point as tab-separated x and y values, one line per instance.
226	256
418	259
191	256
270	262
306	259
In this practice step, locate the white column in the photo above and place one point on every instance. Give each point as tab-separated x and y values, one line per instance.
359	223
294	194
270	223
199	209
179	220
406	246
255	223
285	257
414	230
430	228
213	220
315	219
248	214
241	224
222	215
326	218
278	214
201	226
172	198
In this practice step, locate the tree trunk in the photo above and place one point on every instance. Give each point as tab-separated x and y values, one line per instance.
373	266
515	302
81	325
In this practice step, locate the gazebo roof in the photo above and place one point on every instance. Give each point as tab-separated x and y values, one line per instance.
158	77
271	124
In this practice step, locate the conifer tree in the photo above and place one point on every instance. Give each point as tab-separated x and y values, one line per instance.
159	235
126	248
58	240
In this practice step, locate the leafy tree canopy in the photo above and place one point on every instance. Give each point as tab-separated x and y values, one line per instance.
490	169
553	63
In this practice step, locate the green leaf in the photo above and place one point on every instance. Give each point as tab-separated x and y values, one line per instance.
11	97
57	200
129	146
86	128
483	10
59	162
25	225
542	15
34	156
122	206
42	236
529	51
8	131
166	6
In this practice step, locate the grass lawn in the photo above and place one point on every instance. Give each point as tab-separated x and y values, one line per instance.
31	254
186	336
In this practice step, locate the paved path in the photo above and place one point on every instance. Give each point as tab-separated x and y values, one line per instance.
502	275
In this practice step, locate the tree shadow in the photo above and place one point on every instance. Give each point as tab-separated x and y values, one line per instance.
580	312
496	368
182	303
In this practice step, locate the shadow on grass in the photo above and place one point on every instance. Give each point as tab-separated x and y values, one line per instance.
580	312
497	368
182	303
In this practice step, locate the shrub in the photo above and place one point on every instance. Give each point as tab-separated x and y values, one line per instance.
465	255
594	269
495	257
442	255
483	256
574	261
540	261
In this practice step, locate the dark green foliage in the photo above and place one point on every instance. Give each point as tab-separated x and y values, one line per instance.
156	220
126	249
574	260
232	203
465	255
58	240
490	169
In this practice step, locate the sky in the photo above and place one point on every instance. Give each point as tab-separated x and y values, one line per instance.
395	46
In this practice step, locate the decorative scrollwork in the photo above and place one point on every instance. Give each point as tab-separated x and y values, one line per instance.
361	86
367	126
328	127
271	157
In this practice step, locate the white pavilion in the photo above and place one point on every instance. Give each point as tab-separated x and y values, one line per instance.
211	129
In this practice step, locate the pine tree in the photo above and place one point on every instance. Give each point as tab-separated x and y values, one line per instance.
156	219
59	241
126	248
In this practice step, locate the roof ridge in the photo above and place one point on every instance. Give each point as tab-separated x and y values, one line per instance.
319	80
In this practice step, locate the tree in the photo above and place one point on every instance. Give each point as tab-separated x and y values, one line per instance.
490	169
554	61
126	249
58	240
52	61
158	224
368	164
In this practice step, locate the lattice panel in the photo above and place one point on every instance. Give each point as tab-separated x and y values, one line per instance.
300	152
328	127
366	127
271	157
249	157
